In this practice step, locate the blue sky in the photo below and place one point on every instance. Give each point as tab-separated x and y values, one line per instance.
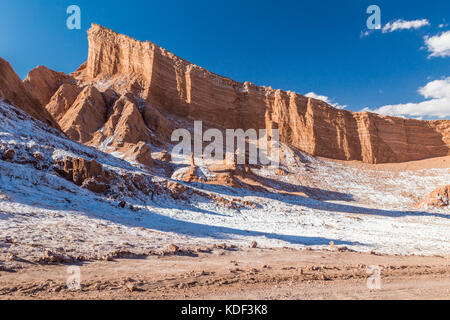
303	46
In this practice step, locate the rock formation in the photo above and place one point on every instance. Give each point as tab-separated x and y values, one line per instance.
62	100
85	116
130	94
13	90
141	153
43	82
172	85
438	198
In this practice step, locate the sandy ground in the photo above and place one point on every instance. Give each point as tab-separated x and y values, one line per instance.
239	274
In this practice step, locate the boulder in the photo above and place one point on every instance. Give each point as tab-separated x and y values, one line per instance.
8	155
43	82
169	85
62	100
438	198
141	153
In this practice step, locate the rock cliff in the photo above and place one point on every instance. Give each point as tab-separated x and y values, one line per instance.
131	93
13	90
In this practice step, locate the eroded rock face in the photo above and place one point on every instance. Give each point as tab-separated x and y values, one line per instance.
85	116
43	82
438	198
171	85
13	90
62	100
8	155
130	92
125	124
141	153
88	174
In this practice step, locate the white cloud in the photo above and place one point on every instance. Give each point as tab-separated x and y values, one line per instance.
325	99
439	45
438	105
405	25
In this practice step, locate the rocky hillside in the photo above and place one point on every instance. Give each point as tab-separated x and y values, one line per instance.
130	95
61	201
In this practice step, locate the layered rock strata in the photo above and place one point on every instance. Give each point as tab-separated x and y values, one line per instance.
175	86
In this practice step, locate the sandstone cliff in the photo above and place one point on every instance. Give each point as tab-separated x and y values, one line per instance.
174	86
13	90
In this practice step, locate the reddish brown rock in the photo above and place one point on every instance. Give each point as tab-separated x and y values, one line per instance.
8	155
125	124
141	153
95	186
158	123
438	198
43	82
13	90
62	100
85	116
173	248
163	156
87	173
177	189
38	156
84	169
171	85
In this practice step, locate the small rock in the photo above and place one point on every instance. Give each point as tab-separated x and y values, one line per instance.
8	155
131	286
38	156
173	248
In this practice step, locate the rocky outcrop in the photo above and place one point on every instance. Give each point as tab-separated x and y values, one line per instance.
62	100
8	155
125	124
438	198
130	94
141	153
171	85
88	174
13	90
43	82
85	116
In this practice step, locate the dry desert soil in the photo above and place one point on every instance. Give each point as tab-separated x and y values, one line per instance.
238	273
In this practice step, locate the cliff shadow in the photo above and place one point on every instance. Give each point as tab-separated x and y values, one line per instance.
150	219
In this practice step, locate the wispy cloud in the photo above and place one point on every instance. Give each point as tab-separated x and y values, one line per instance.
438	105
325	99
401	24
439	45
